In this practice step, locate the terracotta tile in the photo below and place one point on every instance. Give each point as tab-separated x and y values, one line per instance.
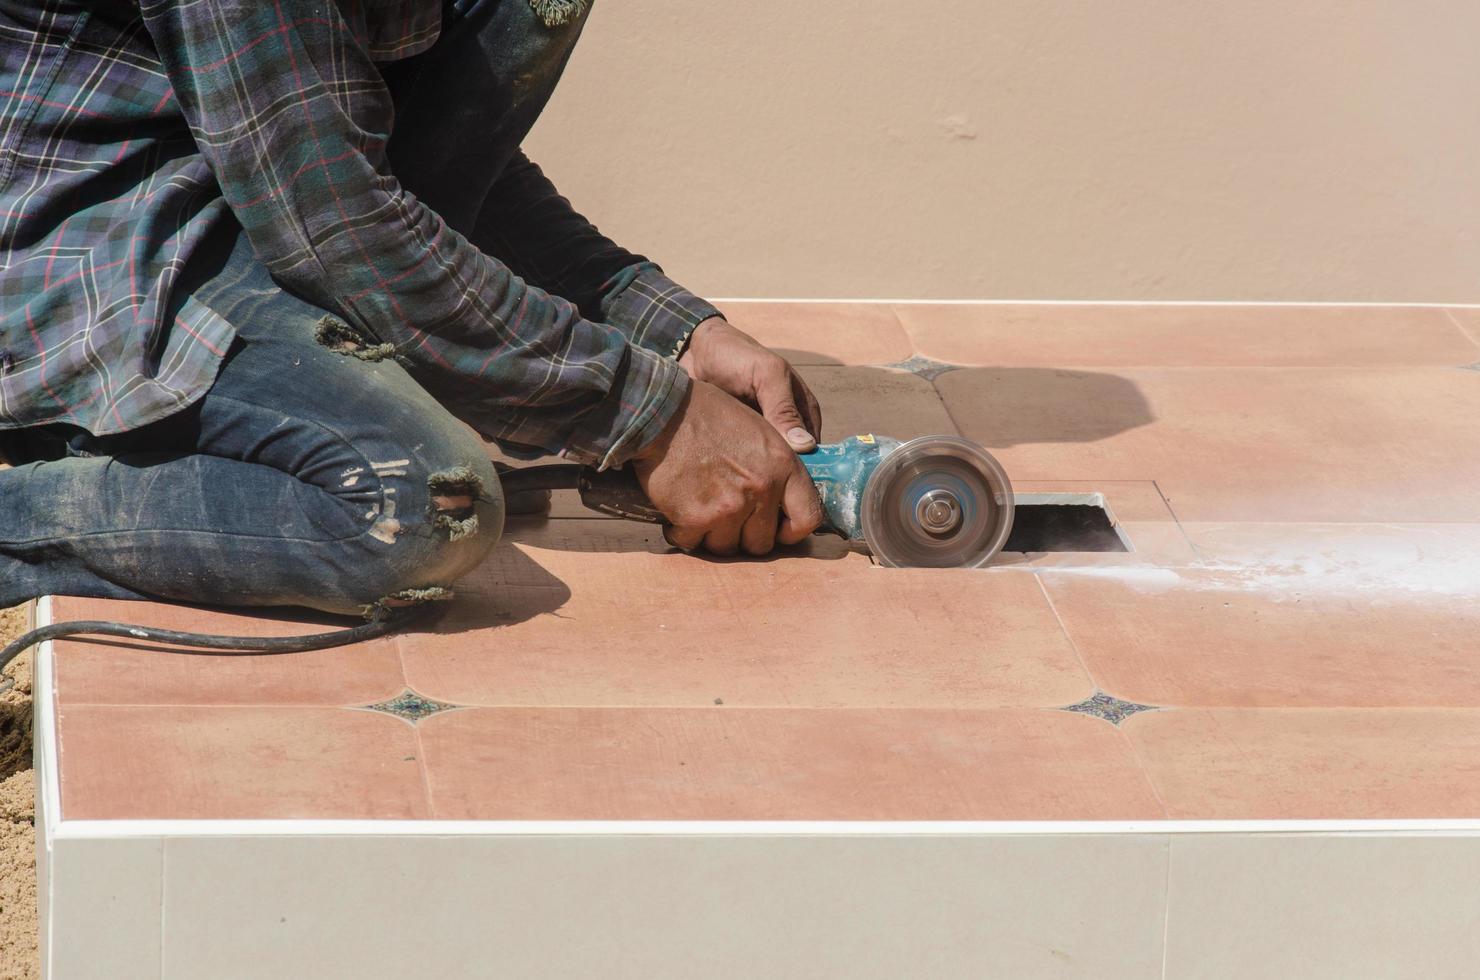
888	403
823	333
1301	445
579	622
106	671
1310	764
1060	335
804	764
1219	638
144	762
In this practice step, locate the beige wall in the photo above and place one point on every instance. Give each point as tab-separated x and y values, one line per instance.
1066	149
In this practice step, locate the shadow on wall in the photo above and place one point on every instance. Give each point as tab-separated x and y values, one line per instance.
995	406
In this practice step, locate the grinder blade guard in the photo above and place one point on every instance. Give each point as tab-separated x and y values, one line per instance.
937	502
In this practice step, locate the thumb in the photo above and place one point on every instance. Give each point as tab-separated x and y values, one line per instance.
778	405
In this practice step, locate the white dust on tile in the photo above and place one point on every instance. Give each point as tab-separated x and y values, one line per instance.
1383	566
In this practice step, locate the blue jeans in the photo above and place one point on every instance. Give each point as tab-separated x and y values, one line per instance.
314	472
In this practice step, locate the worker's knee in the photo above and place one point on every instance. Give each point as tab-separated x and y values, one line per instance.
450	533
443	526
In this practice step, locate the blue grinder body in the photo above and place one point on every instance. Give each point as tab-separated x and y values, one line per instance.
841	470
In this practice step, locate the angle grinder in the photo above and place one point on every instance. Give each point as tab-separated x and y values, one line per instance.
931	502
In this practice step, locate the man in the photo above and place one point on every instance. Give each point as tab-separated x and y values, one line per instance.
261	261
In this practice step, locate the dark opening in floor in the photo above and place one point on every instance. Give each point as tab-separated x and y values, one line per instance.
1063	526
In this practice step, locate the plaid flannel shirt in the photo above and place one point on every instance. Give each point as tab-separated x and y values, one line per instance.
137	137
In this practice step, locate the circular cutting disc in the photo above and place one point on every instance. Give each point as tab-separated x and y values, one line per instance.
937	502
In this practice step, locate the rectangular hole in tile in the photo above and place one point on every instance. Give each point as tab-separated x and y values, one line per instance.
1063	522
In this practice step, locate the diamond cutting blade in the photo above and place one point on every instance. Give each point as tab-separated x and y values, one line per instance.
937	502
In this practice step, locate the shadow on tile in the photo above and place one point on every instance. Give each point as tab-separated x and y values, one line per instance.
508	568
509	588
1000	406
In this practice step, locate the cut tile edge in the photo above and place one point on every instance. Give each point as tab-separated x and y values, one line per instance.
94	829
44	761
43	698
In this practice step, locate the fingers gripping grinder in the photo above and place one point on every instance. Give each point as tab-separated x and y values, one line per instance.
931	502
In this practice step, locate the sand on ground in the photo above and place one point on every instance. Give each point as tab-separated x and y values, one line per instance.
18	954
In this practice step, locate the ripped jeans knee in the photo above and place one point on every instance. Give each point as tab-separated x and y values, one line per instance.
433	545
455	494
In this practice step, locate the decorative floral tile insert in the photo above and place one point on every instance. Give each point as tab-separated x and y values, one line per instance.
410	706
1110	708
924	367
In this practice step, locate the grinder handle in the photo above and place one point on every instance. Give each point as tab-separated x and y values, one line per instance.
618	493
615	491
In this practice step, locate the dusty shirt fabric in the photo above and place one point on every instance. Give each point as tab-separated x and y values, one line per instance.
137	139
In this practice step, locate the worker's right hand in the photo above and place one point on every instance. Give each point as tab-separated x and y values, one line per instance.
725	478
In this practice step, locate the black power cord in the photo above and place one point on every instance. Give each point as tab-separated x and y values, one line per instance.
383	620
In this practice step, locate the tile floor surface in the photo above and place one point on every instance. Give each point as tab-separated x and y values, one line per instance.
1292	635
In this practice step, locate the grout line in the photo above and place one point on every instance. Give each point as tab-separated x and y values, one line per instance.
1119	729
904	331
1059	620
871	709
1166	811
243	705
421	756
1196	554
955	424
1166	921
867	300
421	767
1464	330
164	846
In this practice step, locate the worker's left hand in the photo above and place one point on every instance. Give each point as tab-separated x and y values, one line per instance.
737	364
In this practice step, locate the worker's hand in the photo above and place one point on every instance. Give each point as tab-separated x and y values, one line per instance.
737	364
725	480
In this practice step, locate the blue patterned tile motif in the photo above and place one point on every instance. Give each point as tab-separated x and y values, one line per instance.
924	367
1112	709
410	706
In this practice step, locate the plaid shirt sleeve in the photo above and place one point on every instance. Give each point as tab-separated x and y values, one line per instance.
293	118
527	223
